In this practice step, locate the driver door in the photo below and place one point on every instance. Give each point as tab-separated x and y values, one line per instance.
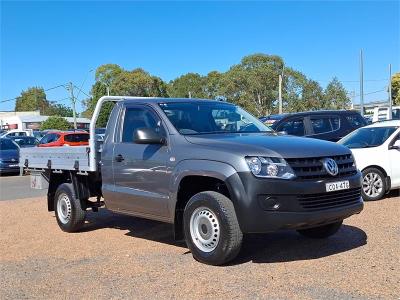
140	171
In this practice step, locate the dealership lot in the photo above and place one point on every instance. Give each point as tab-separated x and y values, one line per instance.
123	257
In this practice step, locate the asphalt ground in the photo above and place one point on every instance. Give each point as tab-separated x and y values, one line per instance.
118	256
17	187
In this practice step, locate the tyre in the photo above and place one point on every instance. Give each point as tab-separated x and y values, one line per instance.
69	214
212	231
373	184
321	232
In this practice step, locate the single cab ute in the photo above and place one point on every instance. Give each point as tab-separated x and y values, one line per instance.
208	167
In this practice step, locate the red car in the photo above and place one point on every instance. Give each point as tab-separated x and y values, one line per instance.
56	139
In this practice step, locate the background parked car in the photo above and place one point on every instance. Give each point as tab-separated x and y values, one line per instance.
25	141
9	156
330	125
376	149
16	132
56	139
271	119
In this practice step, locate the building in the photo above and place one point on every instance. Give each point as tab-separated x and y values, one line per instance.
32	120
370	106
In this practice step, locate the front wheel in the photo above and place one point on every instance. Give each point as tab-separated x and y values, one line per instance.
373	184
211	228
321	232
69	214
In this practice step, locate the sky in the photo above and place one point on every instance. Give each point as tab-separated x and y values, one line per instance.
51	43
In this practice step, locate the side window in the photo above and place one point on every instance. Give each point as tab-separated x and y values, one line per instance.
136	118
321	124
356	120
293	127
335	121
396	114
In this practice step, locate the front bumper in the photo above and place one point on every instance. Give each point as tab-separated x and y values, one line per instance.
265	205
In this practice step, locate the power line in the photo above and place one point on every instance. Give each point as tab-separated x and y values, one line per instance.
49	89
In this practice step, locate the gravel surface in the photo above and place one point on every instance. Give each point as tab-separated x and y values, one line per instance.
124	257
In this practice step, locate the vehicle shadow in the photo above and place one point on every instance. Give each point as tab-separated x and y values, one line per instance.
286	246
282	246
136	227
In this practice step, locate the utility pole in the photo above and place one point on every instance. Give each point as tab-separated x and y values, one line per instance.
361	84
280	93
108	90
390	92
71	90
280	90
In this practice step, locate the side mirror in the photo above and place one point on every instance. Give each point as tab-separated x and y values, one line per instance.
148	136
396	145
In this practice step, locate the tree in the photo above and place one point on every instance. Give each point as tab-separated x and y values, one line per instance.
55	122
60	110
188	85
336	96
254	82
34	98
121	82
396	88
312	96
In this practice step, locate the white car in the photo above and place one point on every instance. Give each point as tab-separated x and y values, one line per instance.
16	132
376	149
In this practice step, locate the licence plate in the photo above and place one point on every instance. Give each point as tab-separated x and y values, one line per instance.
12	166
337	186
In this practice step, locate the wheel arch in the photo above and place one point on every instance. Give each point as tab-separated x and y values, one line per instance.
194	176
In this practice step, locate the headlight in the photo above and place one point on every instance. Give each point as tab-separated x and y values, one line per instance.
270	167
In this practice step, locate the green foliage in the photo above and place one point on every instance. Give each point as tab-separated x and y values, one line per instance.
188	85
336	96
55	122
60	110
121	82
34	98
396	88
253	84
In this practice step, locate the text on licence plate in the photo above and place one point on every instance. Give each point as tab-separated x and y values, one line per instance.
337	186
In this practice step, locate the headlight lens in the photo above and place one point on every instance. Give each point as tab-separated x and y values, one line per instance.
270	167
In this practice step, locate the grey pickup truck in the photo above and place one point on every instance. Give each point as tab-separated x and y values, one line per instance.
208	167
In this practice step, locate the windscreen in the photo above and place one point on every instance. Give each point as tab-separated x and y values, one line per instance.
367	137
77	137
6	144
207	118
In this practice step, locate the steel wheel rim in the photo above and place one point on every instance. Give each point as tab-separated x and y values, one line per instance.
372	184
64	208
204	229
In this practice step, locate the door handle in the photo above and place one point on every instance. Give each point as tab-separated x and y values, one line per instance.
119	158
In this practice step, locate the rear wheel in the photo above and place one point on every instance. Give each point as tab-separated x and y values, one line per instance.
69	214
321	232
211	228
373	184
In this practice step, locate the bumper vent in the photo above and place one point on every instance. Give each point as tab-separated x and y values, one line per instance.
329	200
312	168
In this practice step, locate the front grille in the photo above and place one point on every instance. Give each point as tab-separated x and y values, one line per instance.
312	168
329	200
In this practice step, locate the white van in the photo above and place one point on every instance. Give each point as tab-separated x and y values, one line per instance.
382	113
